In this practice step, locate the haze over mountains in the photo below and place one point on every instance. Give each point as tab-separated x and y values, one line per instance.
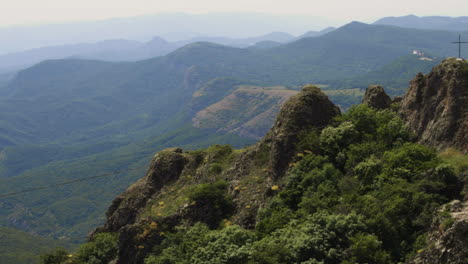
458	24
108	106
127	50
171	26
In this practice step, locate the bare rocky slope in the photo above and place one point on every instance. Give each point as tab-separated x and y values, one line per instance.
436	105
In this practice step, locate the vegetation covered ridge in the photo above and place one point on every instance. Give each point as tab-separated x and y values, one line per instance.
320	187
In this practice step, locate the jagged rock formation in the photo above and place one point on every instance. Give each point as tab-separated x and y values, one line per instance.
251	172
448	239
311	108
376	97
436	105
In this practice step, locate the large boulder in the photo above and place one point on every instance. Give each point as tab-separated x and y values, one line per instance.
376	97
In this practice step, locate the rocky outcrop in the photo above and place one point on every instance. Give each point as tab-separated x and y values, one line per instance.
448	240
436	105
165	168
309	109
376	97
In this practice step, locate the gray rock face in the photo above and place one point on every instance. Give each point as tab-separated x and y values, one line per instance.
436	105
376	97
447	244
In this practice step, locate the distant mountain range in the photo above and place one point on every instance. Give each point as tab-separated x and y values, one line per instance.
459	24
171	26
127	50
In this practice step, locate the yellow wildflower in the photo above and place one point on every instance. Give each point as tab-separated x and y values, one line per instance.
275	188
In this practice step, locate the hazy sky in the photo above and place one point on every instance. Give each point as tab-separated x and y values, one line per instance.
27	12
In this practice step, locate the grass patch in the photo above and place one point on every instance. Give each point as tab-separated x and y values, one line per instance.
455	158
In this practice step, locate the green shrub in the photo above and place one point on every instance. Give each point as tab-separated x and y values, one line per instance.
216	168
273	219
198	245
318	237
333	140
446	220
366	248
101	250
59	256
215	196
367	170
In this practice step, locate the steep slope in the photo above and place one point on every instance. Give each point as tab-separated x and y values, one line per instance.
435	105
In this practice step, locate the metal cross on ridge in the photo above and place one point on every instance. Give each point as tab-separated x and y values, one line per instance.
459	42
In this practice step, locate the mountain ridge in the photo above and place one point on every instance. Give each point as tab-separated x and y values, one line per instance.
147	210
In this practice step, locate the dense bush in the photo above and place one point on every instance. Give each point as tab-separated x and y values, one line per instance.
367	165
213	193
57	257
215	197
102	249
197	244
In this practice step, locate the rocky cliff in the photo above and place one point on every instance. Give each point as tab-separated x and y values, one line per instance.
436	105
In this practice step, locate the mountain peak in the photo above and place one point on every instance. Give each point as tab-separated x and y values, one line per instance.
310	108
157	41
